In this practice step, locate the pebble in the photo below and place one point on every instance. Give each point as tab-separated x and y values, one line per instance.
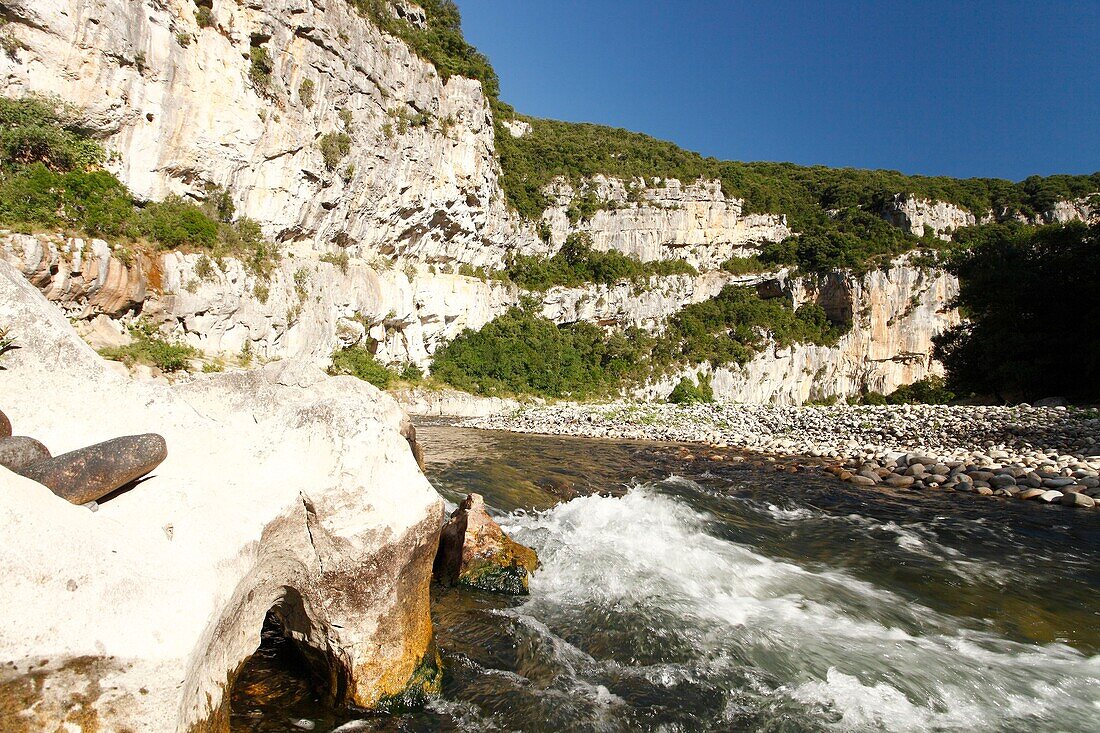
1022	450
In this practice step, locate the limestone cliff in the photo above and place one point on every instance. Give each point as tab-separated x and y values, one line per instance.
894	314
918	215
662	220
180	107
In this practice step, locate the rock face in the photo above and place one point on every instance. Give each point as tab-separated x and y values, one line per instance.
177	105
693	222
918	216
165	589
626	304
81	276
474	552
894	315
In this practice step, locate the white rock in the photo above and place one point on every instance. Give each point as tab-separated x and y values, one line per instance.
282	489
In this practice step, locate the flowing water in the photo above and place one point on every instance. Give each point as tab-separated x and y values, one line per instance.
679	593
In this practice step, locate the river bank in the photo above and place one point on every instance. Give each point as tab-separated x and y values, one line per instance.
1049	454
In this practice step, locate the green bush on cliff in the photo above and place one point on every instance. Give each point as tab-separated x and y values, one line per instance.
334	147
804	193
577	263
147	347
440	42
521	353
50	178
357	361
731	327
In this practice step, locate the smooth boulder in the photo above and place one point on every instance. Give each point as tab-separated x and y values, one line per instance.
88	474
474	552
5	426
19	451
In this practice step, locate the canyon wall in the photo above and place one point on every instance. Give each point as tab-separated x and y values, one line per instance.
179	108
662	220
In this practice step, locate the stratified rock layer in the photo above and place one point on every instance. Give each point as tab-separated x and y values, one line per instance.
147	608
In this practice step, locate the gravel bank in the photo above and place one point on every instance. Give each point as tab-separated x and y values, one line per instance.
1049	454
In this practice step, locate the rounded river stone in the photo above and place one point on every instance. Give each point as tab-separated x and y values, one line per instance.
19	451
5	426
91	473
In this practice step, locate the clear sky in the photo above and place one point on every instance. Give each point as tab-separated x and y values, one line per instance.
1005	89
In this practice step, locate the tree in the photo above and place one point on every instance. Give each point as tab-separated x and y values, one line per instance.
1033	328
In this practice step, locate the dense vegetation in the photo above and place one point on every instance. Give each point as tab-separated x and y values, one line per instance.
1034	315
577	263
580	150
521	353
358	361
51	178
928	391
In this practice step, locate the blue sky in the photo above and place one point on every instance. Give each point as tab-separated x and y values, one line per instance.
1006	89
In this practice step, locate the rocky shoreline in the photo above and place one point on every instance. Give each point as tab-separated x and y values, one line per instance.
1046	454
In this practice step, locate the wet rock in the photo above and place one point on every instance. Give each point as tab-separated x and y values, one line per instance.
983	491
861	481
1050	496
88	474
1029	494
5	426
19	451
900	482
475	552
1078	500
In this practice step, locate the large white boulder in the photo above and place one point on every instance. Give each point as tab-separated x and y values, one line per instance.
283	489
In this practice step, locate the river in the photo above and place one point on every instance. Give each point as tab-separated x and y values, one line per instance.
681	593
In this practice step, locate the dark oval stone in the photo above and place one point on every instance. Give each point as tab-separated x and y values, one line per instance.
5	426
91	473
19	451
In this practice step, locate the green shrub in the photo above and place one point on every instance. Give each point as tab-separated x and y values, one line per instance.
7	341
305	93
412	373
687	391
441	43
928	391
39	130
204	16
260	69
873	398
577	263
175	223
520	353
49	179
359	362
148	348
731	327
339	259
334	147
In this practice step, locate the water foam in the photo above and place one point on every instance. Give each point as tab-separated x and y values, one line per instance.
846	651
